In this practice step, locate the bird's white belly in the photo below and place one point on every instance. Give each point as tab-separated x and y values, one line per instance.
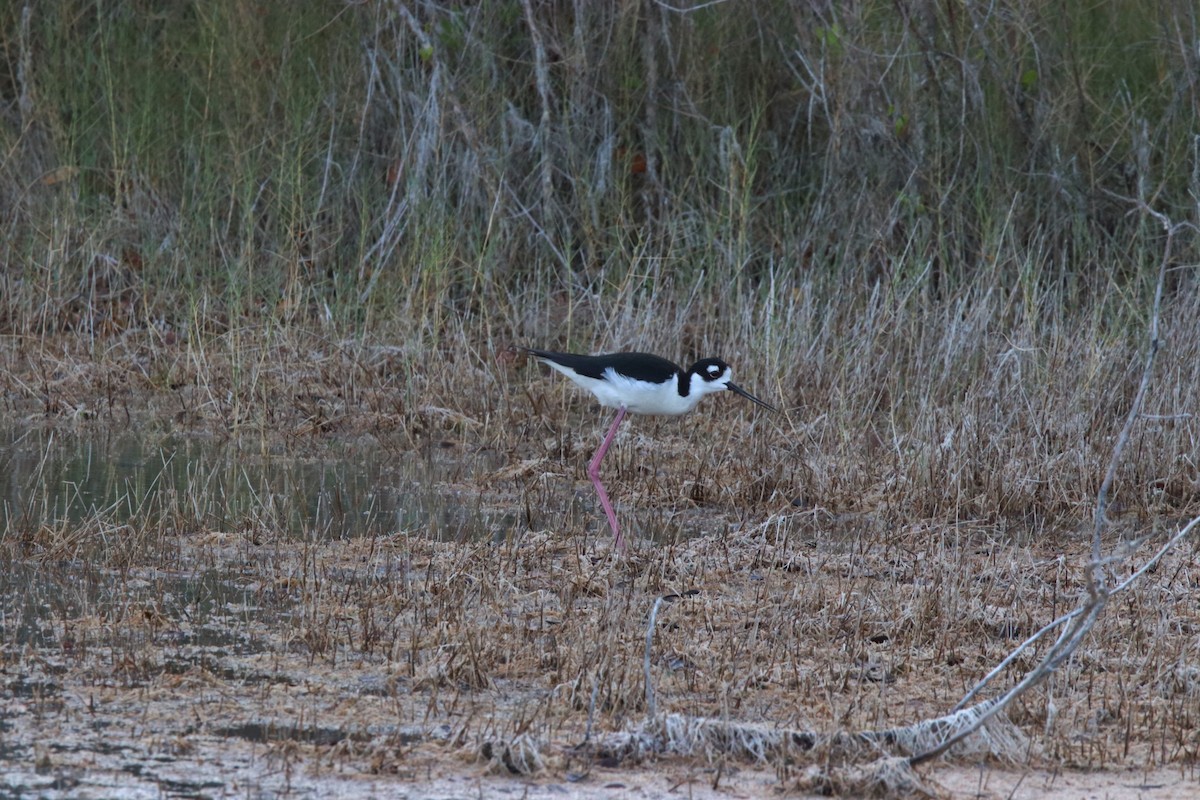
638	397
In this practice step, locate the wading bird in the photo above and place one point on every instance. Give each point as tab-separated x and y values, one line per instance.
642	384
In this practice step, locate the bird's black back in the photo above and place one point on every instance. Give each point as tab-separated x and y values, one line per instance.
639	366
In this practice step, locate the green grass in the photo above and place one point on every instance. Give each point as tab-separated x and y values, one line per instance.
323	155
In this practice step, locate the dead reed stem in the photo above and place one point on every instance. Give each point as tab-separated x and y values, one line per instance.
1079	622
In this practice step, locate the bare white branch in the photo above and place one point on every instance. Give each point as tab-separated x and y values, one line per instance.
1080	621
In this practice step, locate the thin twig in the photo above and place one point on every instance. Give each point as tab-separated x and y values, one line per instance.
1096	579
690	9
542	75
1181	534
650	705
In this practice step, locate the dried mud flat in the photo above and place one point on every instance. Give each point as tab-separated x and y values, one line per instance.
404	667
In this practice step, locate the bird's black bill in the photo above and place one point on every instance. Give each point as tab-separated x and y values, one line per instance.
733	387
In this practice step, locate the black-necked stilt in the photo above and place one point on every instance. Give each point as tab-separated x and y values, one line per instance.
643	384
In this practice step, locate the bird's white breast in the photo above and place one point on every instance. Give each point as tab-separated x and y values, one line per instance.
640	397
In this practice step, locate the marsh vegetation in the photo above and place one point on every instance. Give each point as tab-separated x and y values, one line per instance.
931	233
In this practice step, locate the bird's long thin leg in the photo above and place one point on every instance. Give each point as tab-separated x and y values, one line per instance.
593	471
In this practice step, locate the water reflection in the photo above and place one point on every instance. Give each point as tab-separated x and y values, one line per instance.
47	477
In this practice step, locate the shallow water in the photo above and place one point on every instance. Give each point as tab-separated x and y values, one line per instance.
211	604
49	478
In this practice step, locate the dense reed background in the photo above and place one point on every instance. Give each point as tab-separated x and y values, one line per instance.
916	224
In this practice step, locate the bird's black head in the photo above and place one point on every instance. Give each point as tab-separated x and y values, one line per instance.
711	370
717	376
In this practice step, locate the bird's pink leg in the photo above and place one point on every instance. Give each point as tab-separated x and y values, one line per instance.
594	473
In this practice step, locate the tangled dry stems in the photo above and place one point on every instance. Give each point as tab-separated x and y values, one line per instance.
857	568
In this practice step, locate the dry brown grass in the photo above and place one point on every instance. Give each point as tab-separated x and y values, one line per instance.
298	230
968	410
855	563
386	654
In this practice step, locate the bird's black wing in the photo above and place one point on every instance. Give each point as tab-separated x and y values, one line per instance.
639	366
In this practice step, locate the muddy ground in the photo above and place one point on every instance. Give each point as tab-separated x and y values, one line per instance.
160	653
396	666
